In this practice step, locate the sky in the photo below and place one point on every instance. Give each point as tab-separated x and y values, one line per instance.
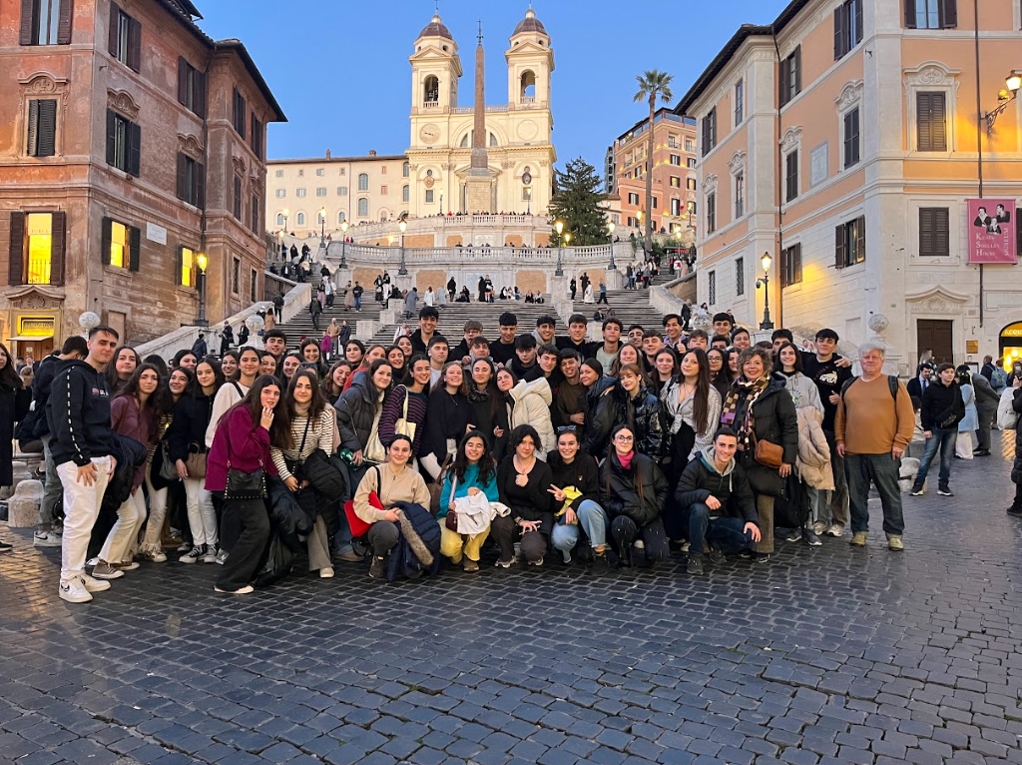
339	68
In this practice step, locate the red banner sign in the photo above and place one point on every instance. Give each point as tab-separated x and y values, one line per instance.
991	231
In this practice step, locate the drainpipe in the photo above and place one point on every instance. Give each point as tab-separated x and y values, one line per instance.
205	169
980	122
780	189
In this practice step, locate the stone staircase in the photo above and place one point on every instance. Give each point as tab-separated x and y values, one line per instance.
454	315
630	306
301	324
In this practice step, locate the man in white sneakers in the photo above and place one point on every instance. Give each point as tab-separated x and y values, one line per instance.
81	442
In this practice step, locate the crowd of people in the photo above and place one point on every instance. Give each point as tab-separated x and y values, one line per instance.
559	448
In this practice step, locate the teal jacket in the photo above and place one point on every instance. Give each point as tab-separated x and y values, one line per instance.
471	479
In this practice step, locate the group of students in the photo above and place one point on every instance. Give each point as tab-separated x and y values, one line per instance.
605	452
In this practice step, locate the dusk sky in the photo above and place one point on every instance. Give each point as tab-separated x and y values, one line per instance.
340	70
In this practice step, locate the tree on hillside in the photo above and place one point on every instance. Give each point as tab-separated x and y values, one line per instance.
576	203
652	84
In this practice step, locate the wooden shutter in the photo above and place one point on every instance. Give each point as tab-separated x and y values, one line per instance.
179	264
840	35
840	246
860	239
199	93
26	35
64	22
58	243
706	134
200	186
106	241
33	129
46	128
926	247
255	214
930	116
783	82
797	85
857	21
111	137
134	149
115	18
910	14
184	74
237	198
182	176
949	14
942	232
135	247
16	251
135	44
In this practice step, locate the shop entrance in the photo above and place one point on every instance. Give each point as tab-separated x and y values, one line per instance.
1010	345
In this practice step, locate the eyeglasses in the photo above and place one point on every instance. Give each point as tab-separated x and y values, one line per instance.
624	439
566	429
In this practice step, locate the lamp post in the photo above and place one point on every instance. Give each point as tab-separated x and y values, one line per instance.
286	215
559	226
322	228
283	249
639	215
403	225
766	260
528	200
613	265
344	244
202	262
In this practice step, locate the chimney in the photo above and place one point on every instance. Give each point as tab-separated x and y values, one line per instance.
372	152
328	153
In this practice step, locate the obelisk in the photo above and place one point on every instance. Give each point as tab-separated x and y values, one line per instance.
479	175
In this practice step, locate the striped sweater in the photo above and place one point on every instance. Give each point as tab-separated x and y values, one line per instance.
393	410
321	436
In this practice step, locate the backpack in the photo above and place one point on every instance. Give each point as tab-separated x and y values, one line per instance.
1007	417
892	383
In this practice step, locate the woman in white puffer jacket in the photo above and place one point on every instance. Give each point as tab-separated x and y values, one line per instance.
528	403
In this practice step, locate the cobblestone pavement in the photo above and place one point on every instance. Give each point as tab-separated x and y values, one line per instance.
831	655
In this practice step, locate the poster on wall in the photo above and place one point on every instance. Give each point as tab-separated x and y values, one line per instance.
992	231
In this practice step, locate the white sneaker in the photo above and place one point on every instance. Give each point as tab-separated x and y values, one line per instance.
639	544
836	530
95	585
240	591
73	591
819	528
192	556
327	572
47	539
210	556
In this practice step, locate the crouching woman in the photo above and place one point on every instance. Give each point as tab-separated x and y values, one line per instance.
715	492
392	482
633	491
576	491
473	473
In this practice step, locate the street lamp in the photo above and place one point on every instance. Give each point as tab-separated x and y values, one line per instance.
559	226
765	261
613	265
1013	82
344	244
202	262
528	200
403	225
286	215
322	228
283	248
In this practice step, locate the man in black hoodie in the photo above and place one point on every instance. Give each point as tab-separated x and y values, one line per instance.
81	443
75	347
720	503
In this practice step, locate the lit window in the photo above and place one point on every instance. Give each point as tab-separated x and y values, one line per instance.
40	247
187	258
118	244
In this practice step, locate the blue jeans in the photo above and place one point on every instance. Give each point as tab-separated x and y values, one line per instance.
882	471
727	534
358	303
592	518
945	438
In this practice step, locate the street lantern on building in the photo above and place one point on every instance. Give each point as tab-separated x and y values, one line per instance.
559	227
202	262
610	229
344	243
1013	83
766	261
403	225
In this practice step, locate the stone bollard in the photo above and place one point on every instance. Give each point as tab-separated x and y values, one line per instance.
23	507
19	473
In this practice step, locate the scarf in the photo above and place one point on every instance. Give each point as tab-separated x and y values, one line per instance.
626	460
750	392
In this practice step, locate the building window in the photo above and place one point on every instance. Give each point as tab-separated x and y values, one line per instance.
300	219
851	137
363	208
383	190
341	217
253	286
676	160
257	137
689	145
847	27
121	245
239	114
791	265
709	131
280	173
791	76
791	176
654	203
236	275
740	276
850	243
404	170
690	184
123	143
280	219
237	198
931	14
281	193
633	198
300	193
37	242
691	162
45	22
342	191
672	142
343	172
711	213
739	102
712	297
256	225
931	121
739	195
191	88
301	173
185	264
934	232
319	172
321	191
429	196
191	181
405	193
42	128
383	170
125	38
675	206
363	182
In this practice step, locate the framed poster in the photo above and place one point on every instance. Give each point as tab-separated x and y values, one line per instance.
992	231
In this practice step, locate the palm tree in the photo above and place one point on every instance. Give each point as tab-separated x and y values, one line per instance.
652	83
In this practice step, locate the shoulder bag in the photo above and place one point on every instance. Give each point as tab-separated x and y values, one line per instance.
437	487
242	485
451	521
767	453
196	462
403	427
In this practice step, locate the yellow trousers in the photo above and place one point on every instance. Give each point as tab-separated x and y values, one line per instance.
453	545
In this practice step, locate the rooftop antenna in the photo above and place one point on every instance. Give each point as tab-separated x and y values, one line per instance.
480	31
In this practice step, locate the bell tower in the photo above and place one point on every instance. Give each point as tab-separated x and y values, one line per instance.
530	62
436	68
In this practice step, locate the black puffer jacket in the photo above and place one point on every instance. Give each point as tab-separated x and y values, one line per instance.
1016	468
356	409
602	410
639	492
776	422
642	413
701	480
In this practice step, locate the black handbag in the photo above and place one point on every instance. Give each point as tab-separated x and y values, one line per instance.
242	485
327	475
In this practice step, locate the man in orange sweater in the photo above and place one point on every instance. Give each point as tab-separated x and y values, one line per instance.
872	429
